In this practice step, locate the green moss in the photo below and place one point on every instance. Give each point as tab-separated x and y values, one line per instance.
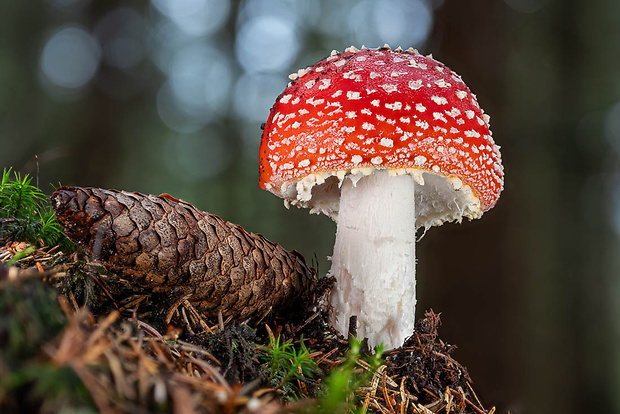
26	214
286	366
340	390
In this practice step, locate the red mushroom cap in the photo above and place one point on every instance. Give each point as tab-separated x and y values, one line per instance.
379	109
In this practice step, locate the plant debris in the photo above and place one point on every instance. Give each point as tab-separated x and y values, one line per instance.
67	342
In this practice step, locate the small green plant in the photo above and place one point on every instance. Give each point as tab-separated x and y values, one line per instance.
285	366
25	213
340	389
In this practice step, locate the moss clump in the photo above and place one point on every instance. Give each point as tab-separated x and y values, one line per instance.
26	214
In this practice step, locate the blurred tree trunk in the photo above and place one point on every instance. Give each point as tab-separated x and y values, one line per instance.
97	154
463	269
549	267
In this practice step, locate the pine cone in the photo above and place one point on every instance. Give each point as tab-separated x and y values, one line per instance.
160	244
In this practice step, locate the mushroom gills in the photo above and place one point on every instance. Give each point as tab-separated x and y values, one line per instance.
438	198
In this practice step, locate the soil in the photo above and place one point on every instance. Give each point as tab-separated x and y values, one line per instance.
74	336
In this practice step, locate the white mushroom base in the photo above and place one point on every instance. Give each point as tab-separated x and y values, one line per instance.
374	258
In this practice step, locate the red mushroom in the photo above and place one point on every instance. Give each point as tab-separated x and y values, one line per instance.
384	142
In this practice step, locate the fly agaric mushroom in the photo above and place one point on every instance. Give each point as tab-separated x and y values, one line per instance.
384	142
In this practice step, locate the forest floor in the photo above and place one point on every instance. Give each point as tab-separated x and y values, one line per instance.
68	345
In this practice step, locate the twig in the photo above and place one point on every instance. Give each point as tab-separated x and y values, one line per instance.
306	322
185	346
386	397
326	356
220	320
471	404
196	315
175	306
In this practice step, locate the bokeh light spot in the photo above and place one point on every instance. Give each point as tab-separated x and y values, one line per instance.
201	80
198	88
254	94
70	58
267	44
296	12
195	17
396	22
122	36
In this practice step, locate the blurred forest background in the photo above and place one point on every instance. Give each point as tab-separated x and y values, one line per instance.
168	96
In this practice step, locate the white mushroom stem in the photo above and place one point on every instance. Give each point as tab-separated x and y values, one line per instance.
374	258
